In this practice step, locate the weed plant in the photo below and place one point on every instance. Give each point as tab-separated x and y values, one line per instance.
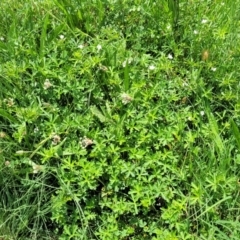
119	119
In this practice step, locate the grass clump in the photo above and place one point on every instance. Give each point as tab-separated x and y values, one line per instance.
119	120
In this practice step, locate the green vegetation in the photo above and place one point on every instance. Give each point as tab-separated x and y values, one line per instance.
119	119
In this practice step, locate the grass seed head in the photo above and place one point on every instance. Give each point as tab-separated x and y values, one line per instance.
205	55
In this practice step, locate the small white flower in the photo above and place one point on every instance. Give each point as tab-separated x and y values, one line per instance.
102	67
85	142
99	47
80	46
37	168
222	3
9	102
61	37
47	84
2	38
168	26
204	21
202	113
56	139
195	31
184	84
36	129
151	67
126	98
170	56
129	60
7	163
3	134
213	69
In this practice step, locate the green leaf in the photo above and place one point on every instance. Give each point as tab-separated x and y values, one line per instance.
95	111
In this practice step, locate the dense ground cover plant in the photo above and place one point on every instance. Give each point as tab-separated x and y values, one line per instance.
119	119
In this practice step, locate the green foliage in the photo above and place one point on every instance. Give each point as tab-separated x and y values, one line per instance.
119	119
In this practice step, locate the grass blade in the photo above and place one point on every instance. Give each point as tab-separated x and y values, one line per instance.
236	132
215	133
126	81
43	36
7	116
